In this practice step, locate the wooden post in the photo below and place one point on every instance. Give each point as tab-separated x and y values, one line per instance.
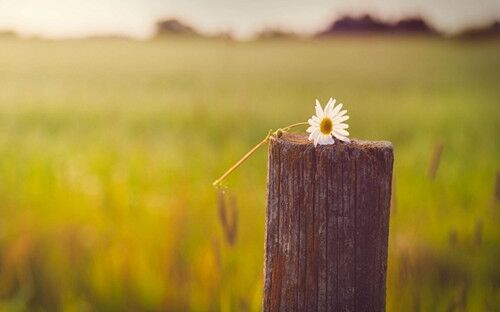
327	225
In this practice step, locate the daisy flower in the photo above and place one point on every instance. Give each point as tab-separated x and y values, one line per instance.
328	123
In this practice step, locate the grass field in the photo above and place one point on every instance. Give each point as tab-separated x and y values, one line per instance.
108	150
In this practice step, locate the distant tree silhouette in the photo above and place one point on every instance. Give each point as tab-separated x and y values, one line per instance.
490	31
8	34
413	25
368	24
174	27
273	33
365	23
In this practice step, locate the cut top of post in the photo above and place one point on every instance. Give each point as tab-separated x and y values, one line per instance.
294	139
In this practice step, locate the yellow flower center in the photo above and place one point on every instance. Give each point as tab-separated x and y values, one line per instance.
326	126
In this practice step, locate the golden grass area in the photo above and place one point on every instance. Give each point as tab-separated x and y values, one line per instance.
108	149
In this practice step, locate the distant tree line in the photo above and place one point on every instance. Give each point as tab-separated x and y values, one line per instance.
367	24
346	25
175	27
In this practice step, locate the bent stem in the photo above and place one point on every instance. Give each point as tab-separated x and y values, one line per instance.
287	128
256	147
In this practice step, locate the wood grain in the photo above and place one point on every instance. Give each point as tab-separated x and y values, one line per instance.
327	225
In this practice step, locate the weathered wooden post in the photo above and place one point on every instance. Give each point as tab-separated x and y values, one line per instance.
327	225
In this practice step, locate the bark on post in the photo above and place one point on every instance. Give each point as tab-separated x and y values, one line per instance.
327	225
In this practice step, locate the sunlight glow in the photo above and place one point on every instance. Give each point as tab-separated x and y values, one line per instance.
70	18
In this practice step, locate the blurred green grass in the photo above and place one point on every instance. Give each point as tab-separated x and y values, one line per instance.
108	149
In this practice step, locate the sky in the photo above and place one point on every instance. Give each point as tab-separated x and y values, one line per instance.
76	18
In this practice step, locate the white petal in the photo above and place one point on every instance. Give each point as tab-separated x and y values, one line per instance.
311	129
340	119
340	126
316	140
319	110
313	122
342	113
336	109
328	140
316	118
321	140
341	137
314	134
329	107
325	139
341	132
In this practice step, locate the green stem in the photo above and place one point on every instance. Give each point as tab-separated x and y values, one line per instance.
256	147
294	125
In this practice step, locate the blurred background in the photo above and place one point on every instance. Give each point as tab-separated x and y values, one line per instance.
116	116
